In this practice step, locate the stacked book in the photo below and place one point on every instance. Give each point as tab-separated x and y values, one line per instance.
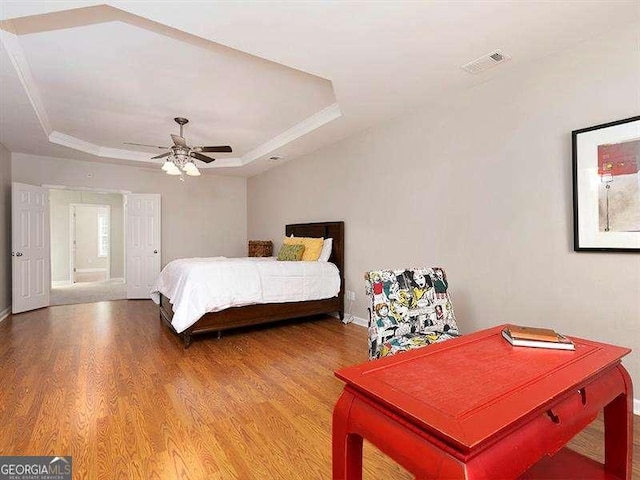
536	337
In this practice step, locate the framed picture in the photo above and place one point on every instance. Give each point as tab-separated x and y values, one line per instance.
606	187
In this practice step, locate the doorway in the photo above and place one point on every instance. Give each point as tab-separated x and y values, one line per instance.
45	263
87	246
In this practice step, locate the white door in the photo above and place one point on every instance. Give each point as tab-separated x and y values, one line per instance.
143	243
31	273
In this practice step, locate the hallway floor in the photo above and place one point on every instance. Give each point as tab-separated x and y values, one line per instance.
84	277
88	292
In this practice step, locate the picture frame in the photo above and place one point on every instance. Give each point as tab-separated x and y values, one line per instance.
606	187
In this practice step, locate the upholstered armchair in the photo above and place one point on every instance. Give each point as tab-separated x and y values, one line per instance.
409	308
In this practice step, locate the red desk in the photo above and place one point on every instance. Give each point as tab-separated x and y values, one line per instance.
478	408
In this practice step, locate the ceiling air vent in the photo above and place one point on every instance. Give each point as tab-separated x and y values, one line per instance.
486	62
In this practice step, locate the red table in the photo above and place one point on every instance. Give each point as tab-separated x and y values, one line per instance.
477	408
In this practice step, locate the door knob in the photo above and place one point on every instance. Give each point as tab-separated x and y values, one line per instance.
19	254
155	251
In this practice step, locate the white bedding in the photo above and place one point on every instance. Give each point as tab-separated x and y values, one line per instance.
196	286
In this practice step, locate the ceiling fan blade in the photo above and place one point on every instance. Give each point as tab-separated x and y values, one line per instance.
220	149
161	156
201	157
178	141
144	145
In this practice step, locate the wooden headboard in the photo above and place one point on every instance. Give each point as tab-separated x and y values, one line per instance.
333	230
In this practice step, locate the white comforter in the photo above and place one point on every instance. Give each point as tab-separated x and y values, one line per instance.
196	286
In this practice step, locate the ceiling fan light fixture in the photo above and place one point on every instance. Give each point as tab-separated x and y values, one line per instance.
191	169
173	169
166	166
179	157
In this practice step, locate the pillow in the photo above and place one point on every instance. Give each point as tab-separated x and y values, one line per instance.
326	250
291	253
312	246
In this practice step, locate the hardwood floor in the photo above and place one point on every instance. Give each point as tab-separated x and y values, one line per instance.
108	384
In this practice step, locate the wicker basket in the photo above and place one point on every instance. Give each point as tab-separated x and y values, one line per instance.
260	248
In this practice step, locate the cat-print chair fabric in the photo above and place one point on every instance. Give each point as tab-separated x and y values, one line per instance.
409	308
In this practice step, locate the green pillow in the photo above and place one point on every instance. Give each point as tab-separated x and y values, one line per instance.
291	252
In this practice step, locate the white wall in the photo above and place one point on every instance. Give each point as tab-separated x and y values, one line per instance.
483	188
87	237
201	217
59	202
5	228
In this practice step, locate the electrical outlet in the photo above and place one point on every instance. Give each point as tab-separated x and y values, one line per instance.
351	295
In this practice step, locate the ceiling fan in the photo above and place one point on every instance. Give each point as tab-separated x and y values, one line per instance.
180	155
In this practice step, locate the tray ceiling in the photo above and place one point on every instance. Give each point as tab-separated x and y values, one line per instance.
268	78
96	84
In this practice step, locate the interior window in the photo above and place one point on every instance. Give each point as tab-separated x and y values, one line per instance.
103	235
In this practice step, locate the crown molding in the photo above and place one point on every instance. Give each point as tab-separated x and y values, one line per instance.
76	143
125	154
307	125
21	66
65	140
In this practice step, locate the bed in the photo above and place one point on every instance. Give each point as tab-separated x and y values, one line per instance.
256	314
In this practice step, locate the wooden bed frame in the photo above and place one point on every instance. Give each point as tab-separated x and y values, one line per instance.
271	312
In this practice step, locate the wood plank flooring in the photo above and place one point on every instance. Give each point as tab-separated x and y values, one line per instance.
108	384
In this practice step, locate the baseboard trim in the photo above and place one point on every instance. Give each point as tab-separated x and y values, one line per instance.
361	322
90	270
60	283
5	313
348	318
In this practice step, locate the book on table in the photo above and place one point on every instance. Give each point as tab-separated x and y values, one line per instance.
536	338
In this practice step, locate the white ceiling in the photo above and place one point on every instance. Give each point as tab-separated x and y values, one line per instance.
107	75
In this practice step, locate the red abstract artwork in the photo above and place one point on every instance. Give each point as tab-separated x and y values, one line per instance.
619	158
619	195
